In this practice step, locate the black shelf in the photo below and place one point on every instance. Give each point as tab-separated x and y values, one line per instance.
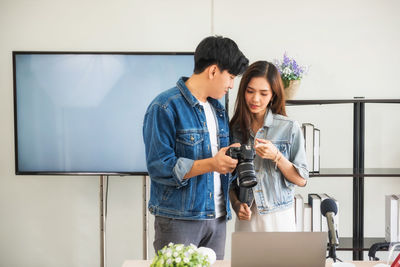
357	243
340	101
347	243
380	172
350	172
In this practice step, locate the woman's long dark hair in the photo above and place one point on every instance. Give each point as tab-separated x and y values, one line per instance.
241	119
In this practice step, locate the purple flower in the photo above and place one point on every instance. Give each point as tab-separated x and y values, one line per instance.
289	68
286	59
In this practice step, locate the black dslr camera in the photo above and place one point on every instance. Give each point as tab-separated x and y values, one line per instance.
245	168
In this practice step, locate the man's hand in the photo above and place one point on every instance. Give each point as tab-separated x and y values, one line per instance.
223	163
219	163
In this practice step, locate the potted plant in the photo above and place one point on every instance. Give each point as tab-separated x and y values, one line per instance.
180	255
291	74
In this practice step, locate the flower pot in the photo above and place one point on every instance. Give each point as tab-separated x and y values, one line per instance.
291	89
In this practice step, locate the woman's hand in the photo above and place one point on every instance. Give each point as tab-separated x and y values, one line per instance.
243	211
265	149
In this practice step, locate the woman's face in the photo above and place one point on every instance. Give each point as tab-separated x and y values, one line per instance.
258	94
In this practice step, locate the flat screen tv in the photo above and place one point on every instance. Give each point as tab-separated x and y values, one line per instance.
81	113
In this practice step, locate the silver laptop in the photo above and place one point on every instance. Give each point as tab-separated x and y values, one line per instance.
275	249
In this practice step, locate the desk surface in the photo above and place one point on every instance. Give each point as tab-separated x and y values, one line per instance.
227	263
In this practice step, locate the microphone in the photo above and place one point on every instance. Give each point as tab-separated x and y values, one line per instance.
329	210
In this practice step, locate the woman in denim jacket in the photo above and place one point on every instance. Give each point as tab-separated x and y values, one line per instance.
260	121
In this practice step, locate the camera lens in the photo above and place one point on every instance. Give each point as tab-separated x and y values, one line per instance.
246	174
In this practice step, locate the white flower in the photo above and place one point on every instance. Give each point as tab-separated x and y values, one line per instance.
170	244
208	252
181	254
286	71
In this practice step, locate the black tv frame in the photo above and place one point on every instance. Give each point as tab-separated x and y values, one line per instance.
93	173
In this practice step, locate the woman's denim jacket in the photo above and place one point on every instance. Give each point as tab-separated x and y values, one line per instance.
273	192
175	135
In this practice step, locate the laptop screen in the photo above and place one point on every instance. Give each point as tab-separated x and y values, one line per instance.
277	249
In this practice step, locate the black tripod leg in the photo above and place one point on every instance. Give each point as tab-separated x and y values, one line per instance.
332	254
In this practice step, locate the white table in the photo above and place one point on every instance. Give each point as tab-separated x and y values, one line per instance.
227	263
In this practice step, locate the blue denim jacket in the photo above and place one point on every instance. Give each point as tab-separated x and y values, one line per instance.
175	135
273	192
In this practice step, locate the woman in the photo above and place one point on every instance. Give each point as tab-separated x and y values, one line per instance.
260	121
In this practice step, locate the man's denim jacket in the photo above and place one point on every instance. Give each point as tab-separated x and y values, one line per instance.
273	192
175	135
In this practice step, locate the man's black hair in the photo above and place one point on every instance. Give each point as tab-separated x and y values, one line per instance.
221	51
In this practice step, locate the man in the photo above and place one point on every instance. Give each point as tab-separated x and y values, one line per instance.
186	135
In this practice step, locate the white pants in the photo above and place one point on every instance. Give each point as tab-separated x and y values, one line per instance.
279	221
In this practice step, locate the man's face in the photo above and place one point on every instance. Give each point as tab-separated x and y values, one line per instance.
221	83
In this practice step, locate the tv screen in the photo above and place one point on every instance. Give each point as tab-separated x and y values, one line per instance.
82	113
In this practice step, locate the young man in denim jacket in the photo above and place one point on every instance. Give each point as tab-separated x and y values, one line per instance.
186	135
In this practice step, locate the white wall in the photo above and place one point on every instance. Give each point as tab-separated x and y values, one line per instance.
352	50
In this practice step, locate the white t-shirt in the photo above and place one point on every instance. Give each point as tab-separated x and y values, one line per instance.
219	200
